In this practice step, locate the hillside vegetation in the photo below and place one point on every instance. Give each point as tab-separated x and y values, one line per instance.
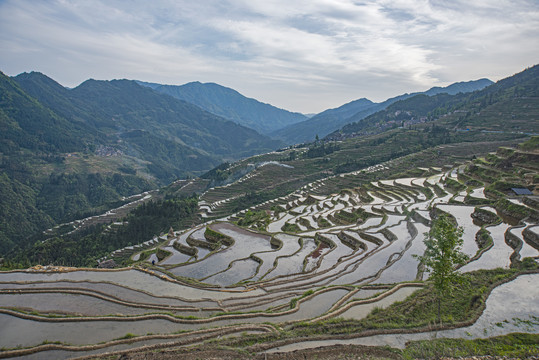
510	105
333	119
70	153
231	105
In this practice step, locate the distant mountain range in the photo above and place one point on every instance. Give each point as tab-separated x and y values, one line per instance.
488	108
231	105
287	126
333	119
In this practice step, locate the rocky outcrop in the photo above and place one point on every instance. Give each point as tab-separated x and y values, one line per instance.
484	217
107	264
188	250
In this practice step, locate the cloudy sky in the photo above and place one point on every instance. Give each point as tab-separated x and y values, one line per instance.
301	55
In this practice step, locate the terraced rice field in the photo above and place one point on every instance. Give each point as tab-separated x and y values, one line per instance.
318	257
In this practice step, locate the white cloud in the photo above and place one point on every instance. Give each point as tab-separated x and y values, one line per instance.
303	55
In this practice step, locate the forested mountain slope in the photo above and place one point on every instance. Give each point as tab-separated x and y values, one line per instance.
118	107
510	105
333	119
232	105
66	153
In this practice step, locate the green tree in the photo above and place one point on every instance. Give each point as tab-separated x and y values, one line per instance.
443	256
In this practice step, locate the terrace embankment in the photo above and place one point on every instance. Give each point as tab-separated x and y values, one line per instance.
332	261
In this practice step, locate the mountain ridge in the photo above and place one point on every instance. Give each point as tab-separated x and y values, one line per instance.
230	104
119	105
331	120
460	106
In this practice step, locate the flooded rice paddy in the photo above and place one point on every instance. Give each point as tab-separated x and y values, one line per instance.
309	256
511	307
